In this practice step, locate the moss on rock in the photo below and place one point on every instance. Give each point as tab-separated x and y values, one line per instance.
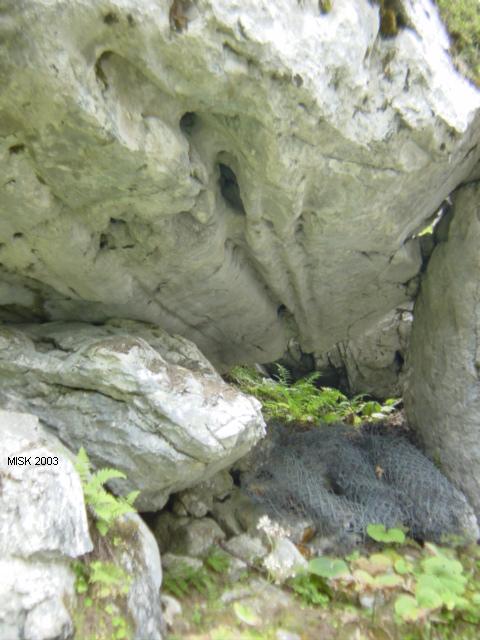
462	19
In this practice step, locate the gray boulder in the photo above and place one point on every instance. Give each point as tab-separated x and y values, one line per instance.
442	396
246	547
43	525
199	500
32	599
136	398
42	511
140	558
184	536
237	173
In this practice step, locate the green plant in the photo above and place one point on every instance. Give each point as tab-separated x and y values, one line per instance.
431	586
462	19
380	533
81	576
327	567
110	579
304	402
217	561
106	507
197	616
310	589
440	583
311	584
181	579
101	585
422	588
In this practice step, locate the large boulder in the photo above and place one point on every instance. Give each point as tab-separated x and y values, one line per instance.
442	397
238	173
44	527
135	397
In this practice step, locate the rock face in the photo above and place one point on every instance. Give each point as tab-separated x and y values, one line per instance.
136	398
373	362
43	525
29	524
237	173
442	398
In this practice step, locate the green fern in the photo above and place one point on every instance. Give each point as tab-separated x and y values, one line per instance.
182	579
102	588
112	579
106	508
303	401
82	465
218	561
284	376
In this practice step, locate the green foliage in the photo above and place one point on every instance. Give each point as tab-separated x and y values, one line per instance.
423	588
181	579
197	616
440	583
462	19
102	586
217	561
310	588
106	507
304	402
311	584
327	567
415	593
379	533
111	579
81	576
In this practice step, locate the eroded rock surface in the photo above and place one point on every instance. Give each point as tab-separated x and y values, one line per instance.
238	173
442	398
43	526
373	362
136	398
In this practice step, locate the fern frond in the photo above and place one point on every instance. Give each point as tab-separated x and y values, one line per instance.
131	497
105	507
82	464
104	475
284	375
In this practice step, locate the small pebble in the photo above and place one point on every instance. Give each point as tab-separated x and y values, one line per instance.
171	608
367	601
